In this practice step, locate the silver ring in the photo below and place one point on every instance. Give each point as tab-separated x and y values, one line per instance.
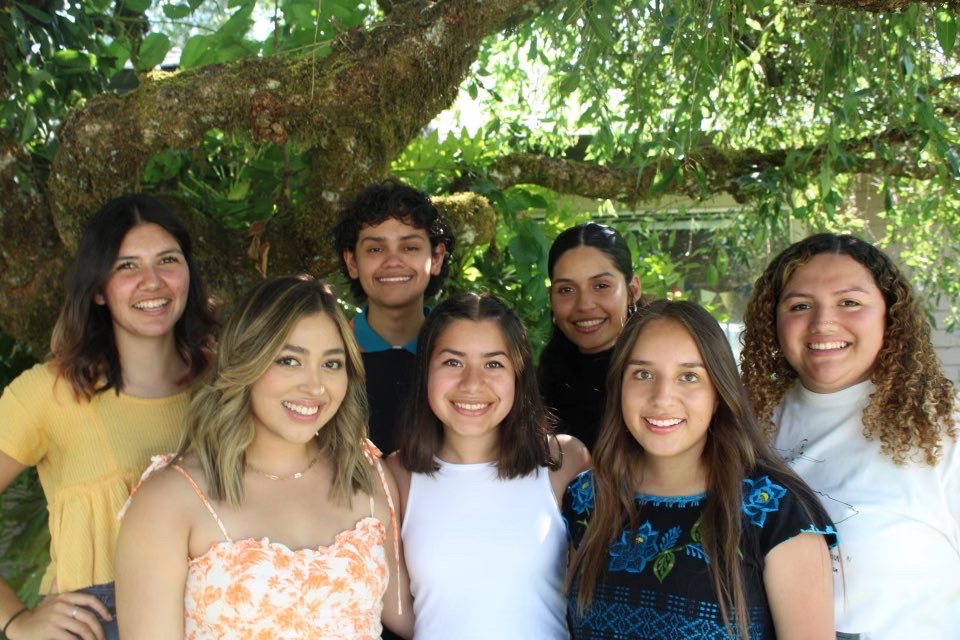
73	614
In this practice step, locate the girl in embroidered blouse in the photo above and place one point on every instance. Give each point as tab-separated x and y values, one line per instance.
134	331
689	524
841	370
274	517
480	481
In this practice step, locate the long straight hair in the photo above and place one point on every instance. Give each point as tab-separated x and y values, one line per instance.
82	347
524	432
735	448
220	423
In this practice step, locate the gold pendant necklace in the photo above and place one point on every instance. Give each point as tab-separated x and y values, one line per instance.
273	476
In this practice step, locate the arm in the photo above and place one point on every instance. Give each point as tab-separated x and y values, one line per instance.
393	601
152	557
798	578
53	617
576	460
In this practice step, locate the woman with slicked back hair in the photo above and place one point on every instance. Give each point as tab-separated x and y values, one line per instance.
134	332
841	370
593	290
274	517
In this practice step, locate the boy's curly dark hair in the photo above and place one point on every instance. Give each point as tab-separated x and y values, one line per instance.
392	199
911	409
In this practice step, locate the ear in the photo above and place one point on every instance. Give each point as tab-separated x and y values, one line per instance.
99	299
439	252
634	287
349	258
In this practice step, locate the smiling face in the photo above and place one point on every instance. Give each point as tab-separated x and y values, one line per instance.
303	387
668	399
146	291
831	319
590	297
471	380
394	262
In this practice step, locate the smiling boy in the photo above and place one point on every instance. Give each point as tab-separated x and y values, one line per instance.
395	248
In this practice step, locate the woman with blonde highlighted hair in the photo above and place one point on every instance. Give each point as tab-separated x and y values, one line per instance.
276	515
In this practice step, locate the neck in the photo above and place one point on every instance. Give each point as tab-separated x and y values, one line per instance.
671	477
469	450
151	368
280	458
396	325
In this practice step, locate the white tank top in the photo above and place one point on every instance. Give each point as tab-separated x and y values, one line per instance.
486	556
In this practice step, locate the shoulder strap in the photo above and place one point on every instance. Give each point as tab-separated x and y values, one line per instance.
373	455
204	499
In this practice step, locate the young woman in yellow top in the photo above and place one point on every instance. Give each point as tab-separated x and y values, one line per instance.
134	332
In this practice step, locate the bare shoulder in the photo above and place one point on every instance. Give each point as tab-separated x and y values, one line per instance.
165	491
575	459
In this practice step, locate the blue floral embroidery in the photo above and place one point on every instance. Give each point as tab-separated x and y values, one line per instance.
634	549
761	497
581	490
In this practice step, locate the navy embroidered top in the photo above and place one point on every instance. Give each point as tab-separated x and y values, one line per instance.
657	584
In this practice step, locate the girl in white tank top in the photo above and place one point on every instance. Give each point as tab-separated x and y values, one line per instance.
481	479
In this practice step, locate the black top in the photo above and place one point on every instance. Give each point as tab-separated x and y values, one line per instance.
657	584
573	386
389	382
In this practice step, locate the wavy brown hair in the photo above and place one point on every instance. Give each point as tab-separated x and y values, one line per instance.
220	423
911	410
736	448
525	431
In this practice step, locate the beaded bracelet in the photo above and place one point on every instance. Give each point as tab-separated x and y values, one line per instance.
12	618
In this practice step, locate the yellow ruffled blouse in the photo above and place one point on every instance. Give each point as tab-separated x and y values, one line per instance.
89	456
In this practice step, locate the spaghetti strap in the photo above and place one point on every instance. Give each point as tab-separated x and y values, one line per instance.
373	455
204	499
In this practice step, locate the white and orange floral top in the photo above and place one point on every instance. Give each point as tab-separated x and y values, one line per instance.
262	590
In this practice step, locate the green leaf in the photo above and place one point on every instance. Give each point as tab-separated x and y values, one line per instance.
194	51
713	275
163	166
600	29
28	127
137	6
36	14
663	565
177	11
152	51
954	160
946	31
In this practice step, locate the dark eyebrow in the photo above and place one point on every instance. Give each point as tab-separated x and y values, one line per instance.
462	354
406	238
839	292
165	252
603	274
647	363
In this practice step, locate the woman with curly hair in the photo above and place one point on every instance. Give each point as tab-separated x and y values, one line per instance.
689	525
274	519
840	368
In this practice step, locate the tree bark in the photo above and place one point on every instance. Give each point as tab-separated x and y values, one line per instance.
354	110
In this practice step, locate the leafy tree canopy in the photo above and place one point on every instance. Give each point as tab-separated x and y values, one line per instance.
648	111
